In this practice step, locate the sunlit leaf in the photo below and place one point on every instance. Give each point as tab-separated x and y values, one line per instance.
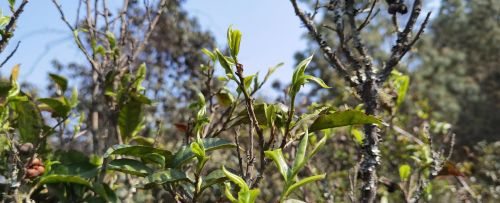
300	155
277	156
303	182
236	179
210	144
342	118
404	172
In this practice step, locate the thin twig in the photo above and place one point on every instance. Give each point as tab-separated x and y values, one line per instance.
11	26
10	55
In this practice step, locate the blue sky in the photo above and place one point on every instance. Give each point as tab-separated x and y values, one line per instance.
271	34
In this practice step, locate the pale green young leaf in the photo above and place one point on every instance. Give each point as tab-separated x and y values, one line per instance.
404	172
300	156
198	150
318	146
318	81
300	69
234	42
236	179
402	84
277	156
209	54
227	192
111	39
302	182
224	62
342	118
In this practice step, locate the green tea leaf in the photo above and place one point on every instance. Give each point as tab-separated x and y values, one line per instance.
111	39
277	156
209	54
302	183
402	83
224	62
300	156
318	146
129	166
55	178
404	172
318	81
236	179
248	196
130	117
234	40
197	150
227	192
167	176
210	144
29	121
134	150
58	107
214	177
342	118
60	81
224	98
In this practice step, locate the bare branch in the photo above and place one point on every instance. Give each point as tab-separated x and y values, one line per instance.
368	17
329	55
403	42
77	39
10	55
11	26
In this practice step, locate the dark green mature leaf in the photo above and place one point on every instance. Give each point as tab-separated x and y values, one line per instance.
214	177
210	144
134	150
277	156
342	118
129	166
29	121
105	192
130	117
303	182
5	86
72	162
12	3
166	176
54	178
154	158
60	81
58	107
